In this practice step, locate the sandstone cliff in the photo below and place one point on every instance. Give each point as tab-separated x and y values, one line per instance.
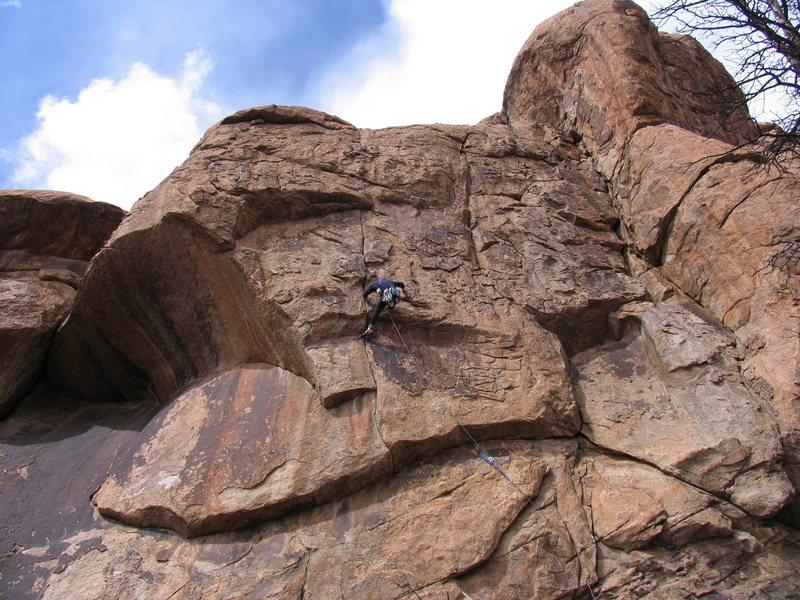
588	296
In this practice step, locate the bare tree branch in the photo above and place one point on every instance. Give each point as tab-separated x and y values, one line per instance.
765	37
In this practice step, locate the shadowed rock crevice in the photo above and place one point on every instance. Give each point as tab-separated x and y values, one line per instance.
276	207
46	241
166	337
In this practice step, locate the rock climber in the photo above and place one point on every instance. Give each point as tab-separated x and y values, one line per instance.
389	294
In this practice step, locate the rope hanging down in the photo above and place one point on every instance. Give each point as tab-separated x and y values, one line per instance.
492	463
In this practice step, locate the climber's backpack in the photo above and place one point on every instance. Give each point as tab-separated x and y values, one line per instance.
390	296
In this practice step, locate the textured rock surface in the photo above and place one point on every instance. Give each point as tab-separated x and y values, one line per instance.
288	294
46	241
670	393
584	295
240	448
702	213
486	250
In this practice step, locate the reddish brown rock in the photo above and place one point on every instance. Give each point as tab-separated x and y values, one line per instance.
55	224
694	201
258	248
447	525
670	393
633	504
550	551
247	232
603	202
46	241
343	371
29	313
602	71
429	524
241	448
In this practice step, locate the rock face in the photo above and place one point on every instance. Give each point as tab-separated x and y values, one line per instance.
678	372
695	208
46	242
592	382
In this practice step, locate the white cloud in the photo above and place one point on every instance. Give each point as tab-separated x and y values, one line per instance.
449	62
11	3
118	139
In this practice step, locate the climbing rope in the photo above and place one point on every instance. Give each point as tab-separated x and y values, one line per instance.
491	462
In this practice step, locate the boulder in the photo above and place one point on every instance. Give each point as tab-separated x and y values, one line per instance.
240	448
46	241
30	310
602	71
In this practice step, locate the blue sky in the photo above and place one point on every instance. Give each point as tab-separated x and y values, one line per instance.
105	98
260	47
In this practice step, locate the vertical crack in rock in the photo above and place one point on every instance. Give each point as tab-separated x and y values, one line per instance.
539	552
368	354
468	220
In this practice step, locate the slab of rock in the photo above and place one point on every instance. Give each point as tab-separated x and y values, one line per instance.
55	224
712	233
432	522
466	503
445	525
308	464
532	242
257	250
285	219
29	313
53	451
46	241
671	394
550	551
746	214
241	448
343	371
633	505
